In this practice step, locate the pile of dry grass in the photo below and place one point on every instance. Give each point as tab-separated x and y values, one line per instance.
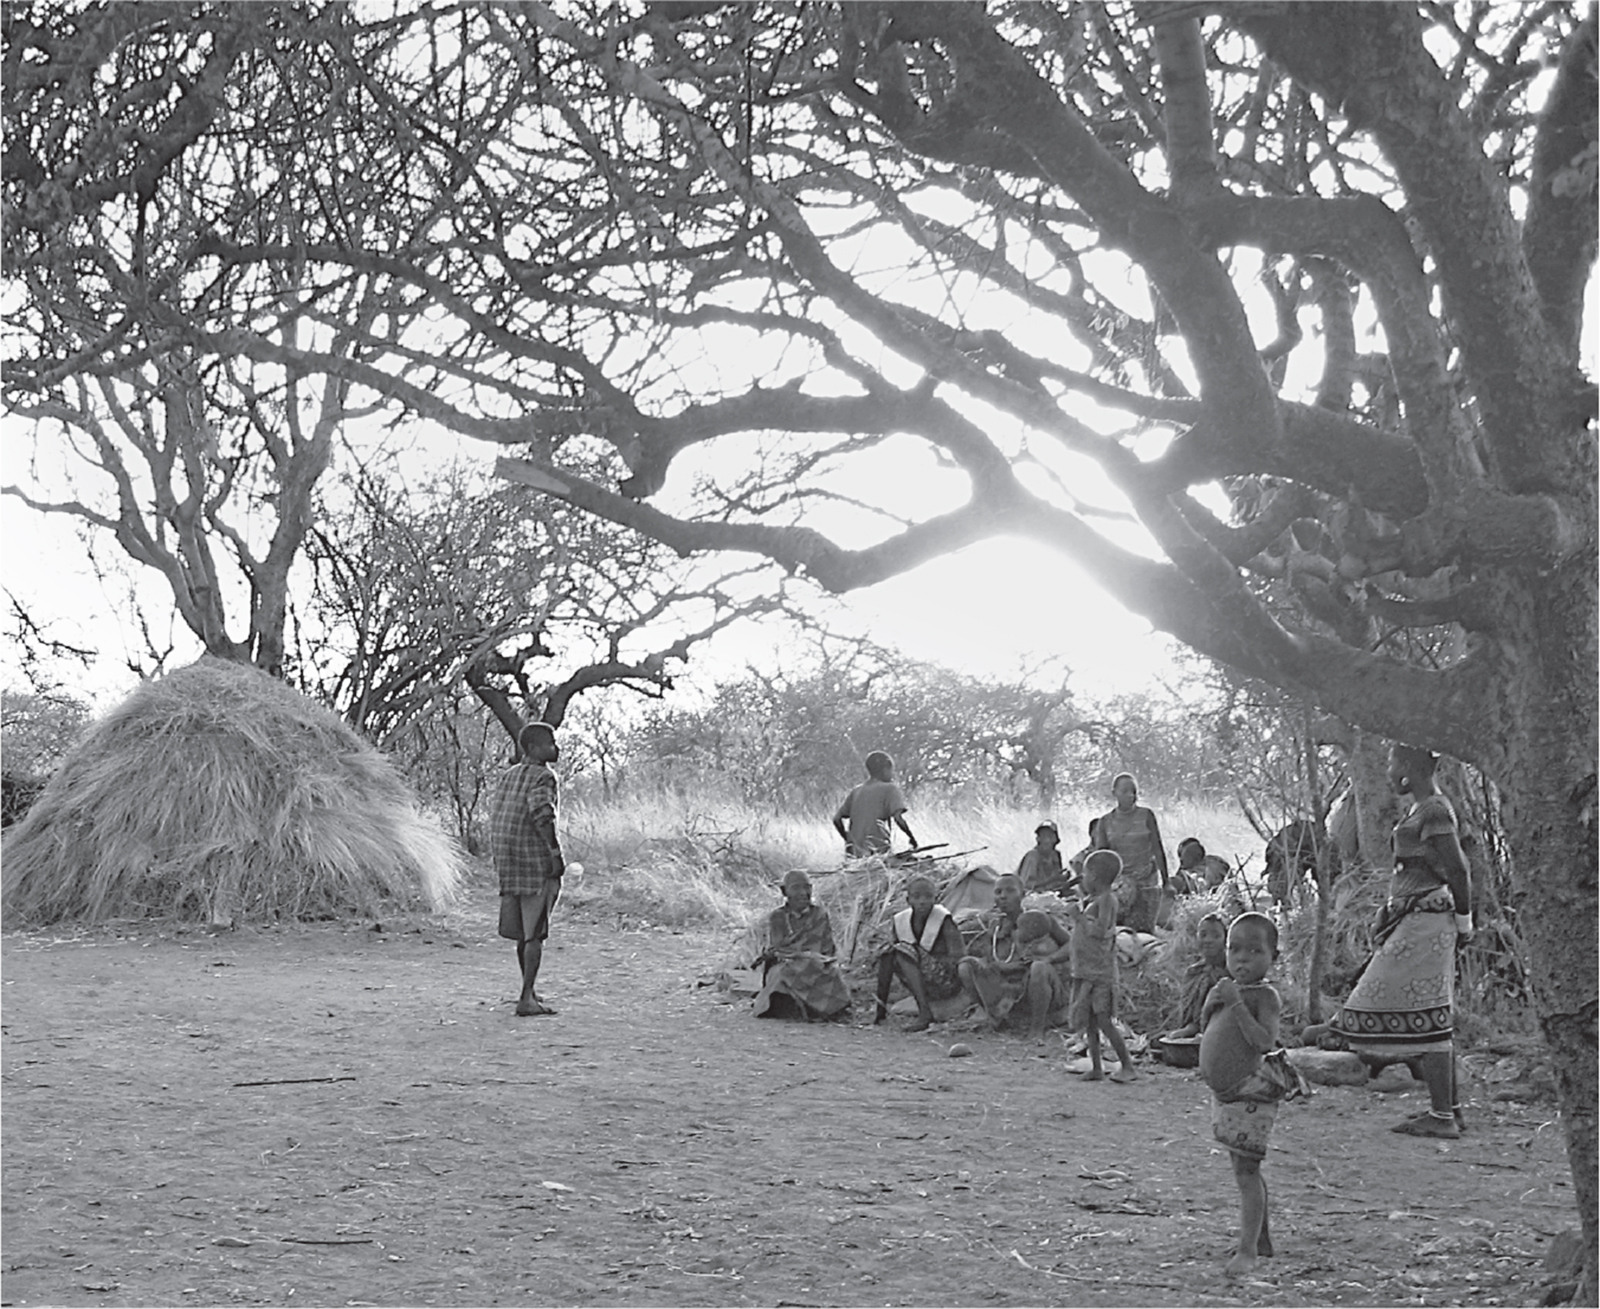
218	793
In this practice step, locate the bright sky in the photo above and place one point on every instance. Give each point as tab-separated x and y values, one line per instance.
988	611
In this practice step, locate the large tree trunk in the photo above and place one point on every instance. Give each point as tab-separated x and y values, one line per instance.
1549	790
1374	799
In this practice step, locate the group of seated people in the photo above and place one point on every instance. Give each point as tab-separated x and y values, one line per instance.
1021	968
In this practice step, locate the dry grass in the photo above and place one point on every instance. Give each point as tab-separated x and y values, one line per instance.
217	792
681	862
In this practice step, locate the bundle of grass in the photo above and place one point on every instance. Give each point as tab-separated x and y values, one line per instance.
218	793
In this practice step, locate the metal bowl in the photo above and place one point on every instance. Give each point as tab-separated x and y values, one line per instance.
1180	1051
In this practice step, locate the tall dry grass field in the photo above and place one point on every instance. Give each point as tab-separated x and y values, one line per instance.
681	860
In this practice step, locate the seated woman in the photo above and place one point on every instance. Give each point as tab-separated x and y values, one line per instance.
1011	974
1041	868
925	950
802	979
1211	935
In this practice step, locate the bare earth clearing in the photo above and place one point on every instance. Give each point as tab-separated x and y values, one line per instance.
650	1146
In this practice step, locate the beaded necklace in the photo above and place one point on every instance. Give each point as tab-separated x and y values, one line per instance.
994	945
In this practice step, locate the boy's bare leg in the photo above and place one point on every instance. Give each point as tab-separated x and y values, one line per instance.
886	967
911	975
1252	1214
530	954
1037	993
1096	1073
1264	1242
1120	1047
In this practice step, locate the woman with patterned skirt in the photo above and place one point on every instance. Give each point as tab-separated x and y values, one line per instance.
1402	1006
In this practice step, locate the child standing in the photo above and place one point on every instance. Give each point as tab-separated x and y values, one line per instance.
1094	964
869	809
1247	1076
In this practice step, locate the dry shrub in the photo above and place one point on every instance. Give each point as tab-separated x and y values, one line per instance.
219	792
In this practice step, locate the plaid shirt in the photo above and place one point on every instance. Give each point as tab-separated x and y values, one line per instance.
524	800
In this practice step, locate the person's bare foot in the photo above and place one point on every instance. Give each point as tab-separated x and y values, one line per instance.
1095	1075
534	1009
1240	1264
1426	1124
922	1024
1124	1074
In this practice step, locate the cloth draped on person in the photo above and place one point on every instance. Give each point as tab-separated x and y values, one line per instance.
940	973
521	816
1198	979
1136	837
1403	1003
1242	1116
524	807
801	966
1000	985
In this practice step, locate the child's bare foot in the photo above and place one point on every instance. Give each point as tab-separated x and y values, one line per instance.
1095	1075
922	1024
534	1009
1240	1264
1125	1074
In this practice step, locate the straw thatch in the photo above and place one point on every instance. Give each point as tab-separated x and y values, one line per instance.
219	793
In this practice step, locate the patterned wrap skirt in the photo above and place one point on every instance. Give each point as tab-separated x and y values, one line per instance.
1403	1004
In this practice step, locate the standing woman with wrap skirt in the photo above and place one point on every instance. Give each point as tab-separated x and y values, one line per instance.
1402	1008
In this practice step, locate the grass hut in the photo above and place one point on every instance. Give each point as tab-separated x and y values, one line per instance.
219	794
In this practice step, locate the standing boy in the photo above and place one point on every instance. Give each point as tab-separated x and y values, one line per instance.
1240	1024
869	809
522	837
1094	964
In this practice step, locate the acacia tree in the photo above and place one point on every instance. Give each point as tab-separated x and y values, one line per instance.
200	465
1265	315
1403	442
422	590
141	141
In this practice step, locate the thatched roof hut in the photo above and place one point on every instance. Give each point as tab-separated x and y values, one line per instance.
217	793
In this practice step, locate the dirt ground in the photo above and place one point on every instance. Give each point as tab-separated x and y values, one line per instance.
342	1116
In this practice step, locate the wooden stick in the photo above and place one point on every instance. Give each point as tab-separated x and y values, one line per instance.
297	1081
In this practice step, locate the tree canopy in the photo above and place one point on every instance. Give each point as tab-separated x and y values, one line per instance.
1267	316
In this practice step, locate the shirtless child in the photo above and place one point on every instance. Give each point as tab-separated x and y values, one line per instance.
1240	1025
1094	964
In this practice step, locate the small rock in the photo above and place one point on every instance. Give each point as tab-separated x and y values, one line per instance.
1329	1067
960	1050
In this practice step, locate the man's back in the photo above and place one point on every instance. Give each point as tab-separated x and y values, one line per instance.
869	807
526	792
